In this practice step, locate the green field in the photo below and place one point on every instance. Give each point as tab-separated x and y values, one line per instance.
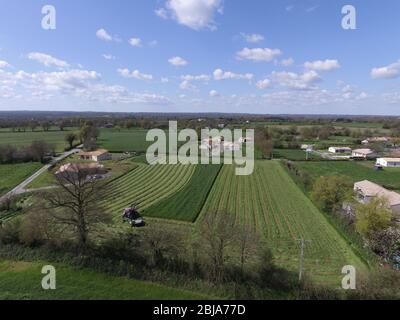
293	154
22	281
13	174
22	139
146	185
355	171
269	201
187	203
122	140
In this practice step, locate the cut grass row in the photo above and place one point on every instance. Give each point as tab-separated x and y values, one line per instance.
272	204
146	185
187	203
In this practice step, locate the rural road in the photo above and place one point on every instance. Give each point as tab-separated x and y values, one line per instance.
19	189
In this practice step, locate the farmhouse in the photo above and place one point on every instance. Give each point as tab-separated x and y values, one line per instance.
80	169
388	162
98	155
367	190
363	154
340	150
307	147
376	140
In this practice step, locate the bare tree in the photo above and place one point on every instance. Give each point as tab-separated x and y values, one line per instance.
217	232
75	203
248	243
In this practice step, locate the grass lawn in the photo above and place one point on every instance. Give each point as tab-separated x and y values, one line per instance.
13	174
271	203
21	139
293	154
354	170
122	140
187	203
22	281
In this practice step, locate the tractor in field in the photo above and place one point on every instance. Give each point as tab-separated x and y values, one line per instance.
132	216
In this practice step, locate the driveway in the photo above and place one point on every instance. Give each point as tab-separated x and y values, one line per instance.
20	189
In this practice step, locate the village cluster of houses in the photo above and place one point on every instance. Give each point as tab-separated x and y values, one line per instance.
218	144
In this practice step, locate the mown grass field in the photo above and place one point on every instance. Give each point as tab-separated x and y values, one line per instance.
146	185
13	174
122	140
273	205
353	170
22	281
293	154
187	203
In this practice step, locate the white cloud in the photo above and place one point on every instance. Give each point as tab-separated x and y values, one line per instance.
162	13
391	71
252	38
201	77
109	57
258	54
319	65
213	93
102	34
263	84
47	60
186	85
286	62
304	81
135	42
164	80
289	7
224	75
195	14
4	64
178	61
136	74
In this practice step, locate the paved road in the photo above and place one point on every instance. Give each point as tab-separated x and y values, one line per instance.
21	187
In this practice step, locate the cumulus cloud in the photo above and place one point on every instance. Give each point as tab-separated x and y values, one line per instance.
135	42
164	80
47	60
225	75
263	84
304	81
258	54
4	64
109	57
213	93
187	85
391	71
201	77
136	74
102	34
320	65
178	62
252	38
195	14
286	62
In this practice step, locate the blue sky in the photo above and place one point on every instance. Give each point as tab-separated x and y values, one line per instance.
253	56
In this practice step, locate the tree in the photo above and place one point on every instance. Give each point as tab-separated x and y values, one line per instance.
385	243
75	204
263	143
331	191
70	138
372	217
39	149
248	243
88	136
33	125
46	126
217	232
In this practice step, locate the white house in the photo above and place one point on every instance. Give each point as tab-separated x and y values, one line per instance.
367	190
388	162
363	154
340	150
230	146
307	147
98	155
376	140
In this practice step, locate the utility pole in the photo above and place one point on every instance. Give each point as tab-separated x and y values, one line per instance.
302	246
